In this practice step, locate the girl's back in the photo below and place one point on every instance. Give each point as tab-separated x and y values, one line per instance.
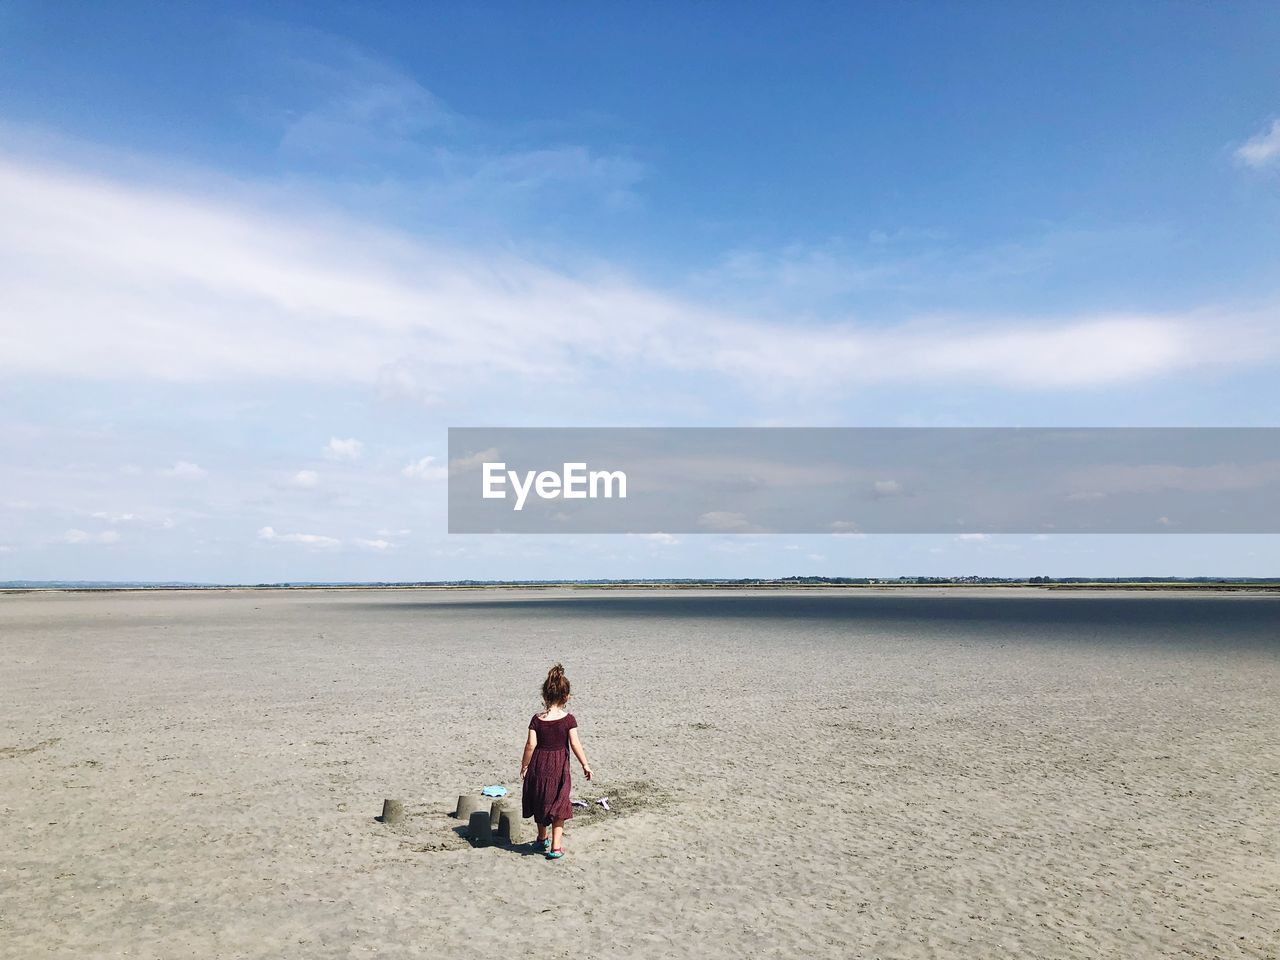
553	734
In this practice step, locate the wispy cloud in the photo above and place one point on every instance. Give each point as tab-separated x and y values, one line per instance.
185	470
661	539
1098	482
471	461
922	271
1262	149
361	118
81	536
115	517
362	108
309	539
150	521
106	280
725	521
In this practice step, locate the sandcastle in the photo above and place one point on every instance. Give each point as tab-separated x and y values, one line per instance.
491	821
468	804
512	827
392	812
479	831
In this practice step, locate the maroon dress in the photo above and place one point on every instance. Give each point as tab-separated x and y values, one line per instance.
547	784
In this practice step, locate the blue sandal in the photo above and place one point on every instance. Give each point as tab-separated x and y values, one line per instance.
543	845
555	853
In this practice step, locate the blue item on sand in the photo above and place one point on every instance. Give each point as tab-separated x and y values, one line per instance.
494	791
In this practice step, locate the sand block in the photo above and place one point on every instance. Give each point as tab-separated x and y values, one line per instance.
468	804
392	812
512	828
478	830
500	806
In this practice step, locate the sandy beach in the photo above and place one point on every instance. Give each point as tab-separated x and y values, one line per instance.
844	774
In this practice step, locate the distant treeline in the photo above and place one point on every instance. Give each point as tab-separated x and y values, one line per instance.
669	582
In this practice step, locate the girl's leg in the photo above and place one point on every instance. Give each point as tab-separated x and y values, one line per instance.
557	834
542	832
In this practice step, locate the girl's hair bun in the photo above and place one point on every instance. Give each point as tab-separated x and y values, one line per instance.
555	689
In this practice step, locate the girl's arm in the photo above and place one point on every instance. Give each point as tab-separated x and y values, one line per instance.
529	744
576	746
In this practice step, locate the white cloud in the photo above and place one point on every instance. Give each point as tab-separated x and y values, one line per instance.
81	536
349	449
886	488
663	539
185	470
425	469
109	280
1023	354
1262	149
471	461
406	380
973	537
305	479
846	529
373	544
725	521
310	539
394	533
115	517
1099	481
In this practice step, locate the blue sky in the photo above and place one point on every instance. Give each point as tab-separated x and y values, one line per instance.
234	244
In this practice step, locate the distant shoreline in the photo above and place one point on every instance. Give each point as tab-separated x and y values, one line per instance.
797	585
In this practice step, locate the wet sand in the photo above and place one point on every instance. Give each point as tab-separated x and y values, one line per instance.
851	773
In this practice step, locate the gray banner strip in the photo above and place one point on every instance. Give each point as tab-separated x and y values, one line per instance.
864	480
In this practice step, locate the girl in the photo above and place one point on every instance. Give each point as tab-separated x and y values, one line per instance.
544	768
